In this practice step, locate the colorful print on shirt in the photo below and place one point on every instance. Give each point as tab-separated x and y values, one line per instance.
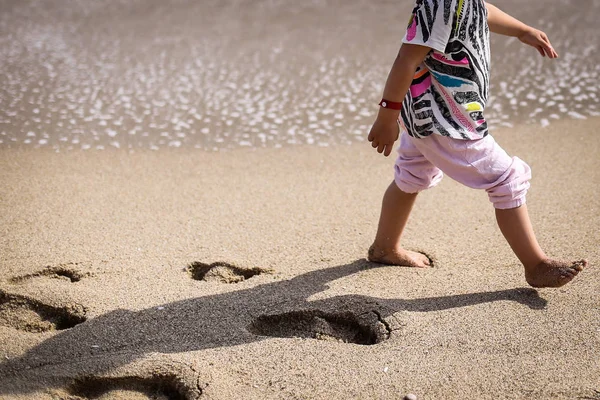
450	88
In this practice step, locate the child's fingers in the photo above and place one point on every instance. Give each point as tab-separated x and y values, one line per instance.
388	149
380	148
551	52
548	46
546	39
540	49
548	50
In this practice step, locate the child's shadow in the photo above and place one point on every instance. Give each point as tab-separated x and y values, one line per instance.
233	318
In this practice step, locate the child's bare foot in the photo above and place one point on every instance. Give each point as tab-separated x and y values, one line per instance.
552	273
401	257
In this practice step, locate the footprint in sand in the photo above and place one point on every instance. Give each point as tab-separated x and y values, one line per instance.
159	387
30	315
69	271
223	272
366	329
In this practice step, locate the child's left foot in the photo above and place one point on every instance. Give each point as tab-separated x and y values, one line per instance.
552	273
400	257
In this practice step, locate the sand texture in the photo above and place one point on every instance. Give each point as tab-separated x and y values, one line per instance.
187	199
241	275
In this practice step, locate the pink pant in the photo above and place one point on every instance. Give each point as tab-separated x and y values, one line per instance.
479	164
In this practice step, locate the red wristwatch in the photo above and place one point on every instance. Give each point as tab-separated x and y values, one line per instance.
390	104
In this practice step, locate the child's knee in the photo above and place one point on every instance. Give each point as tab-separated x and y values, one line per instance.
414	181
511	188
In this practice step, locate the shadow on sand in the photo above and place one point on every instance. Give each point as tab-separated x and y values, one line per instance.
279	308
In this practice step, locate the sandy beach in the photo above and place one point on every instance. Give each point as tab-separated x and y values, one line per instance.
98	297
187	199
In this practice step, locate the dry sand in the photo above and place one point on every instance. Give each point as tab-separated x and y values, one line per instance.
97	300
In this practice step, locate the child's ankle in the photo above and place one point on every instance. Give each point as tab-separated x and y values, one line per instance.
533	262
375	250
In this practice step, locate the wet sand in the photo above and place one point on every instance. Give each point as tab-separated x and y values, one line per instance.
98	296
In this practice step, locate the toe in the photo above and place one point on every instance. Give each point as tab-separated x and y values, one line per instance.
569	273
562	281
579	265
421	260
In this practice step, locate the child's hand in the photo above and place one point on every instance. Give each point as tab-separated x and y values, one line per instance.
384	133
540	41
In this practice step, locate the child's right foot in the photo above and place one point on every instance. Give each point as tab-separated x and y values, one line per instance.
405	258
552	273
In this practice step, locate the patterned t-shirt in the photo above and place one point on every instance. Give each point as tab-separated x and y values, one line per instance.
450	88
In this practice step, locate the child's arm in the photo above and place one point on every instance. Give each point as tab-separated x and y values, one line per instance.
384	132
504	24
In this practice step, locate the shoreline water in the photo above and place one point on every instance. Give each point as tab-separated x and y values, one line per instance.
235	74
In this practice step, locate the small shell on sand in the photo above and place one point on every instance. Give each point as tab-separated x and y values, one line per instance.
410	396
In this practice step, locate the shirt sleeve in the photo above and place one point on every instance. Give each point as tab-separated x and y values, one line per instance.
431	24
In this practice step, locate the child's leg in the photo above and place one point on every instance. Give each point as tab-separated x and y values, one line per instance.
414	173
395	209
516	227
540	271
483	164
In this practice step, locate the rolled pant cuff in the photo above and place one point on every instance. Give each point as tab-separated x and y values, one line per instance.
507	205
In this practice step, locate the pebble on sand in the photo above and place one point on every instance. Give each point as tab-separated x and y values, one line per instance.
410	396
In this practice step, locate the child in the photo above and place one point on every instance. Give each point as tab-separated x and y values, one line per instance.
436	91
